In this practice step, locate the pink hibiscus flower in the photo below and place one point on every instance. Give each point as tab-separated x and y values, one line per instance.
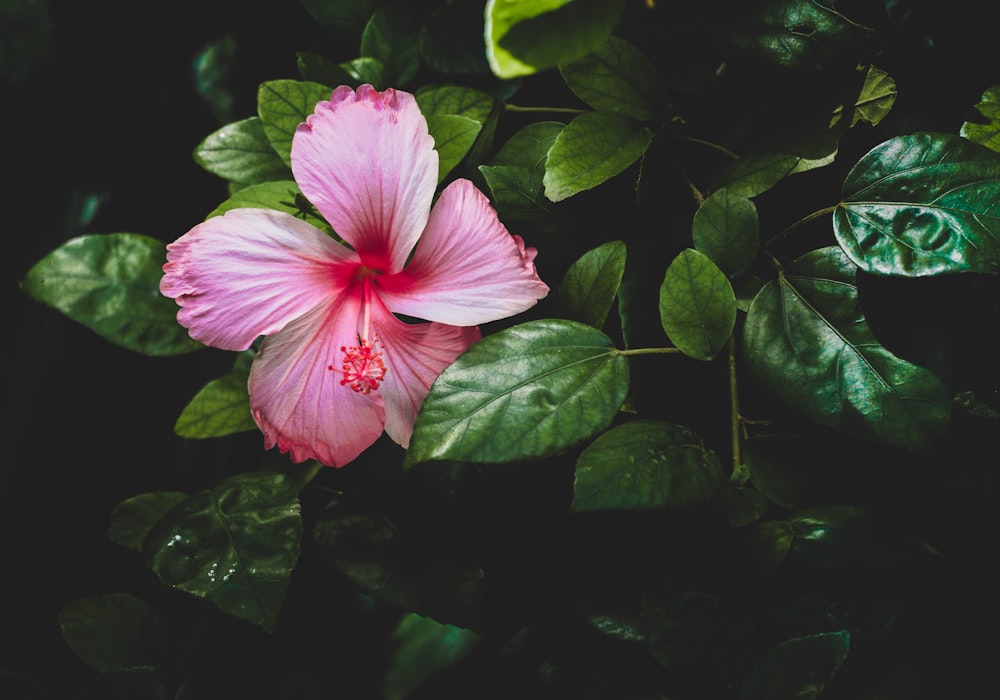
337	367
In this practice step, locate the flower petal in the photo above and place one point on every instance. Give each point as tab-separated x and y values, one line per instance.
295	392
467	269
368	164
415	354
249	273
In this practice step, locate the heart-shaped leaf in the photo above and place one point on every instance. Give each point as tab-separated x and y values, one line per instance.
529	391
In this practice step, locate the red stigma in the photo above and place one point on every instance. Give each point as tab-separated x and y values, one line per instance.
363	367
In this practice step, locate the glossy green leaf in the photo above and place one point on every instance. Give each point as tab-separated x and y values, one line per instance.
922	204
987	134
697	305
589	287
392	36
241	152
133	518
798	668
367	70
280	195
523	38
422	647
848	541
617	77
591	149
111	630
517	196
806	339
451	41
221	407
755	173
457	100
878	95
234	545
726	229
532	390
111	284
453	136
284	104
529	147
645	464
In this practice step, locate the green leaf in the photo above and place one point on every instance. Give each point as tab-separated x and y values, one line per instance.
878	95
457	100
234	545
645	464
798	668
592	148
523	38
133	518
284	104
807	340
591	283
452	39
453	136
529	391
319	69
987	134
241	152
280	195
344	18
922	204
422	647
367	70
110	283
110	631
697	305
529	147
214	69
753	174
517	197
392	36
617	77
726	229
221	407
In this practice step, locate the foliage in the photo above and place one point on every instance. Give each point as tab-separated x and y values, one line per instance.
709	465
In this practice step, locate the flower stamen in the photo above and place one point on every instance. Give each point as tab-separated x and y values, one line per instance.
362	367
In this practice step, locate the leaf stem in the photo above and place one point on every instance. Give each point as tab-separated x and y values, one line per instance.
645	351
562	110
734	406
710	144
804	220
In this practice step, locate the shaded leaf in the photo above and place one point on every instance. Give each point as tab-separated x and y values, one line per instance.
758	550
878	95
697	305
234	545
589	287
755	173
319	69
683	628
457	100
617	77
806	339
529	147
452	39
421	648
110	631
284	104
392	36
221	407
532	390
517	196
645	464
726	229
241	152
110	283
592	148
453	136
367	70
133	518
523	38
214	71
922	204
987	134
798	668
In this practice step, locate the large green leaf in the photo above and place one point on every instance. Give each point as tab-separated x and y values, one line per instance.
241	152
456	99
523	38
448	109
922	204
392	36
529	147
697	305
617	77
987	134
807	340
111	630
529	391
234	545
111	284
221	407
517	196
645	464
284	104
726	229
422	647
591	283
592	148
797	669
133	518
453	136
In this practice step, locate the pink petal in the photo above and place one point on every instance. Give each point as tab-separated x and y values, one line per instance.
467	268
249	273
295	392
414	356
368	164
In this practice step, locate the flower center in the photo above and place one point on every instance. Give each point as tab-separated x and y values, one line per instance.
362	365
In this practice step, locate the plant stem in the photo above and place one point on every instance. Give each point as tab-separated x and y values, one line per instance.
734	405
710	144
645	351
804	220
563	110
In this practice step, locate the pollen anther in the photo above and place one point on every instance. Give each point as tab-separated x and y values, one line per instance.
363	367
